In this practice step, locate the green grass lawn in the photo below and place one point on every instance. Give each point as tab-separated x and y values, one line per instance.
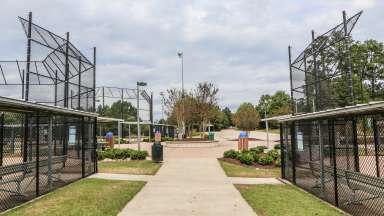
234	170
138	167
284	200
84	197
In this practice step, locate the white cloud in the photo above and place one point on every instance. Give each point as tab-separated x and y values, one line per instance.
239	45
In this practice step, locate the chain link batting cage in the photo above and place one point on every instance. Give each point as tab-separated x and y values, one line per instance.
333	143
47	118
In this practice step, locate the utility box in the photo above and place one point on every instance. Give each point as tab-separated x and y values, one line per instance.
157	149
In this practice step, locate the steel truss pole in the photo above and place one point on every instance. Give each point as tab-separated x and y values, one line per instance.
29	35
290	78
66	84
94	81
348	59
316	71
79	87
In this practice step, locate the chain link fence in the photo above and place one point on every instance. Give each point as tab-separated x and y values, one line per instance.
340	160
40	152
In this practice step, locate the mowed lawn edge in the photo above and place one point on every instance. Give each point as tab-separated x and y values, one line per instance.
134	167
84	197
284	200
235	170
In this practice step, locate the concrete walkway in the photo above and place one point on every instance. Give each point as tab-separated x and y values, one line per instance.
188	186
191	182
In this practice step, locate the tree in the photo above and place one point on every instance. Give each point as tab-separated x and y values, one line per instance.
196	108
246	117
206	98
228	117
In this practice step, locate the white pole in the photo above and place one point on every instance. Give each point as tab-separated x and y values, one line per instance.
138	118
266	127
129	133
119	132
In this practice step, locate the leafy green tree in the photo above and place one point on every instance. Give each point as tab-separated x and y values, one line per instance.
246	117
228	117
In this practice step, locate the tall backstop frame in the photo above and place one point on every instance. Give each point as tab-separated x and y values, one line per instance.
47	117
332	142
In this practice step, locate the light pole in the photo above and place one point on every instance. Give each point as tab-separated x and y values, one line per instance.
162	105
181	56
266	104
138	84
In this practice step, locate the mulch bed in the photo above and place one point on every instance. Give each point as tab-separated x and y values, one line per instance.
254	165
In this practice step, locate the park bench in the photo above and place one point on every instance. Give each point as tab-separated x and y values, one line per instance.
360	182
16	173
316	170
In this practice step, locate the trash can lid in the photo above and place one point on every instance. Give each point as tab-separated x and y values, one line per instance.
242	134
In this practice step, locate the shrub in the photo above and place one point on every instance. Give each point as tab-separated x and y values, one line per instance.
100	155
278	162
139	155
114	154
277	146
246	158
256	156
258	149
265	159
231	154
274	154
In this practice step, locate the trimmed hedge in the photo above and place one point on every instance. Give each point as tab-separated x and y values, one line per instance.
255	155
121	154
258	149
231	154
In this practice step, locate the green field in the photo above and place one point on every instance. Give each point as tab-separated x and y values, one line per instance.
137	167
284	200
84	197
234	170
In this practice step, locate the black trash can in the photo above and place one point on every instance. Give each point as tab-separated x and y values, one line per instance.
157	152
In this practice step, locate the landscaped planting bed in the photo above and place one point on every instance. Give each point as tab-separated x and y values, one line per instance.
257	157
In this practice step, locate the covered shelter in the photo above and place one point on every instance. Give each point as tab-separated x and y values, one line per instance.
337	154
42	147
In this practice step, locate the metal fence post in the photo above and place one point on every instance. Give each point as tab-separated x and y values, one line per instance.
355	145
83	140
50	130
25	141
1	139
321	146
376	140
293	149
331	134
37	153
95	143
282	150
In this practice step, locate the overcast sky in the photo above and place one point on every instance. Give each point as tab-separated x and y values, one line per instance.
241	46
